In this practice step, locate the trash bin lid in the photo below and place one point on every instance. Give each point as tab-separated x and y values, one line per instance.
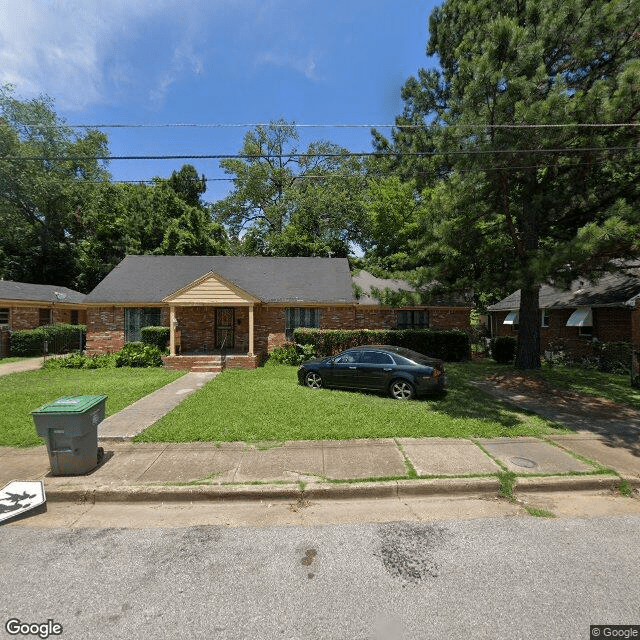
70	404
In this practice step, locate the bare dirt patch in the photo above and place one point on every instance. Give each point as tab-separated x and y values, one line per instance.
571	401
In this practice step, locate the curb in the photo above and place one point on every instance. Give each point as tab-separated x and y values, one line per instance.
574	483
340	491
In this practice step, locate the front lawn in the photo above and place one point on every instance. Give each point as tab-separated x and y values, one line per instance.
267	404
616	388
21	393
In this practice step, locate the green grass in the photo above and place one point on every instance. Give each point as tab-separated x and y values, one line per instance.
21	393
268	404
616	388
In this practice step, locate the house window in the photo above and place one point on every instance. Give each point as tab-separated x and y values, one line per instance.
73	316
544	317
296	317
44	316
135	319
4	316
412	319
582	318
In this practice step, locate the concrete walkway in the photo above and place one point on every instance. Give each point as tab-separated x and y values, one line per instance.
135	418
21	365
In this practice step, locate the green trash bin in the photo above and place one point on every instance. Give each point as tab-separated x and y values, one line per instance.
69	427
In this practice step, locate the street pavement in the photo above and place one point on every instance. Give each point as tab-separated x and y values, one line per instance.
331	469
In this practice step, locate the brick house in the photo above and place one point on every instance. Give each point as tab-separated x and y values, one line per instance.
244	306
27	306
607	310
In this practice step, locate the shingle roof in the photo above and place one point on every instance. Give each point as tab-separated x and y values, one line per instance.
365	281
612	290
150	279
26	292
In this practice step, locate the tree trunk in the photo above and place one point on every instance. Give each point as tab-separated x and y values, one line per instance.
528	350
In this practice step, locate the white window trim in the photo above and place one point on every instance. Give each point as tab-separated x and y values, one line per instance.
544	313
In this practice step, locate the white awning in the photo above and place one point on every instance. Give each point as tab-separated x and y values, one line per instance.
512	318
581	317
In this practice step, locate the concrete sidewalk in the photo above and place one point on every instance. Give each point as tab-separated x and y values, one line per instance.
369	468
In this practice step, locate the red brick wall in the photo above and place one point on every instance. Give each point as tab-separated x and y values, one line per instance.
609	325
446	319
105	325
268	328
105	330
23	318
29	317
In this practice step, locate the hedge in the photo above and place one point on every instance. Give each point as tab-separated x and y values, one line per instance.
60	338
451	346
158	336
503	349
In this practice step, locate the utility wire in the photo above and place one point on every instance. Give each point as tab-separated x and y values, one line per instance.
303	156
230	125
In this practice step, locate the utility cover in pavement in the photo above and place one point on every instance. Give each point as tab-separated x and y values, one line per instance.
18	497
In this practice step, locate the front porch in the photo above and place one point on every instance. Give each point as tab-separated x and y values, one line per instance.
211	325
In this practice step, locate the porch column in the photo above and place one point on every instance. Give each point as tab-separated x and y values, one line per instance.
251	330
172	330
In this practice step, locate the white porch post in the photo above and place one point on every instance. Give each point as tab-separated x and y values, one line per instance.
172	330
251	330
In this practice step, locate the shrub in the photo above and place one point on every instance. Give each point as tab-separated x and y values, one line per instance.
503	349
452	346
291	354
137	354
158	336
82	361
60	338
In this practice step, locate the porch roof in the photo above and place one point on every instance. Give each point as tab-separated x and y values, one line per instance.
152	279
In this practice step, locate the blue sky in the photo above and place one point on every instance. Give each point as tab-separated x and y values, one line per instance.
213	61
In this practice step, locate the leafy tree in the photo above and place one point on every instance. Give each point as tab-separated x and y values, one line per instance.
287	203
44	169
531	191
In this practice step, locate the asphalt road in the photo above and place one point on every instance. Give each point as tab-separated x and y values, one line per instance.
486	578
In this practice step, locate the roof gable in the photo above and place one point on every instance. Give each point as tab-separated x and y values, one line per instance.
213	289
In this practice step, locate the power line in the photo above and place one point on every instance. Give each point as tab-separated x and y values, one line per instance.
346	154
251	125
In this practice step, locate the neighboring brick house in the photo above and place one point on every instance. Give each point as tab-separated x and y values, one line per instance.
27	306
607	310
245	306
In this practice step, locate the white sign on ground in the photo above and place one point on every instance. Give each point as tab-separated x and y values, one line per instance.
18	497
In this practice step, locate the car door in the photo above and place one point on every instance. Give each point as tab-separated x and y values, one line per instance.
344	371
375	370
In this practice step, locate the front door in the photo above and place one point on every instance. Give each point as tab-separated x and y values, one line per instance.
224	327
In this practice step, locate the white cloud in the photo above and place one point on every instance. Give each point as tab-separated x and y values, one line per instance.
306	65
77	50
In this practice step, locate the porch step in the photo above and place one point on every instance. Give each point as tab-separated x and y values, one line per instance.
211	364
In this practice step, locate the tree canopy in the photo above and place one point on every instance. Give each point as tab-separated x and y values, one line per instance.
533	116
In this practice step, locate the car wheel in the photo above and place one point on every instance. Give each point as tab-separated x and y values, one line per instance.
402	390
313	380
